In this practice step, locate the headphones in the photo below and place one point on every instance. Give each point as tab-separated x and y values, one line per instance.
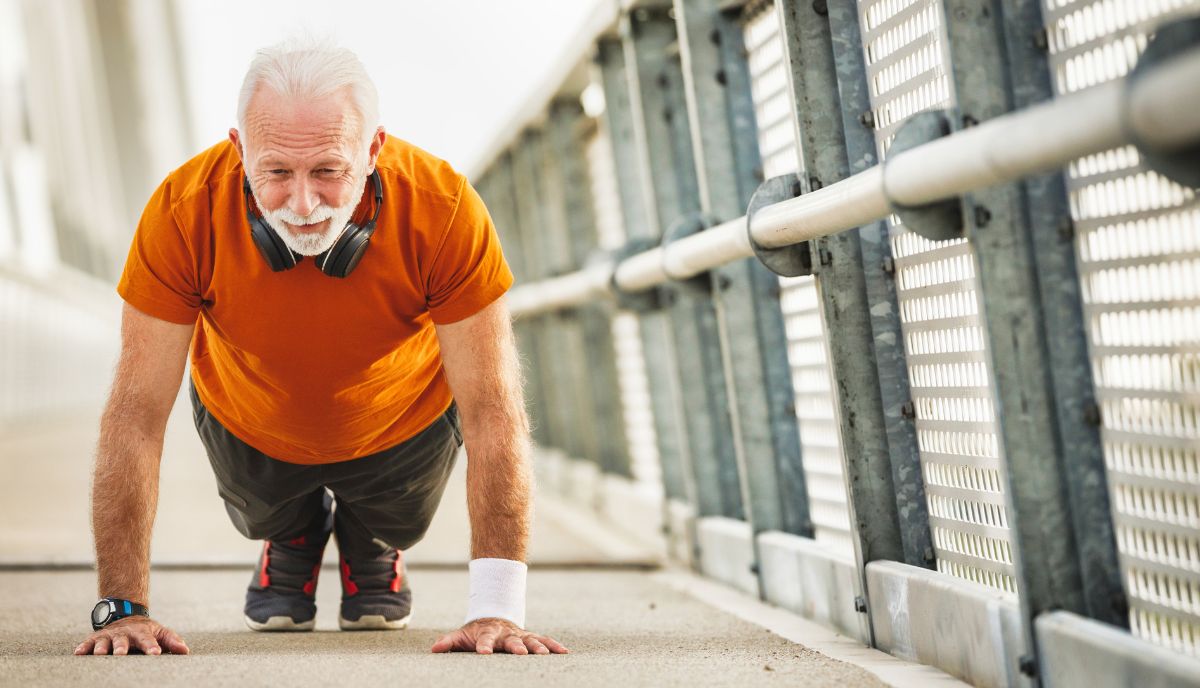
338	261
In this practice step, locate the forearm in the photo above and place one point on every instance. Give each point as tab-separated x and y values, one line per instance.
124	501
499	481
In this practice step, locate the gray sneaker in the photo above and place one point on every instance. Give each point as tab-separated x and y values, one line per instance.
282	594
375	593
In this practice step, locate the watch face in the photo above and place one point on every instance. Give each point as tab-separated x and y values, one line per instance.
101	611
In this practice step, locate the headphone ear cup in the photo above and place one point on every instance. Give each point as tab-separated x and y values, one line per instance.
343	256
278	256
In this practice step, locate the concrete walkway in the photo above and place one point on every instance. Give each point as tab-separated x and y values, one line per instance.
590	587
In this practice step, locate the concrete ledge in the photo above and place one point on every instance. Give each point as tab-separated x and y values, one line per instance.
583	484
635	509
1076	651
551	470
681	532
727	552
812	580
967	630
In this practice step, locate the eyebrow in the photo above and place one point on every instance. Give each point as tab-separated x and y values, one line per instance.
269	160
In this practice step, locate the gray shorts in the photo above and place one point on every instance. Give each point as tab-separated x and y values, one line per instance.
386	499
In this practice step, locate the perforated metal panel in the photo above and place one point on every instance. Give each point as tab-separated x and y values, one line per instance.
908	71
1138	242
631	364
801	304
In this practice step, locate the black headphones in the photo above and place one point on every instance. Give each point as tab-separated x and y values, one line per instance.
338	261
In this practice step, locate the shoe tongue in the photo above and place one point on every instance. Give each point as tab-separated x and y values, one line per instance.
374	574
290	567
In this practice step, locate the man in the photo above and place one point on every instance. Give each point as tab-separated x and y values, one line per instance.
326	390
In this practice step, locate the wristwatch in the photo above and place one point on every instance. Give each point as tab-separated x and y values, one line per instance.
110	609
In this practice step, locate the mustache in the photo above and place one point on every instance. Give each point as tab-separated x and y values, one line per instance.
319	214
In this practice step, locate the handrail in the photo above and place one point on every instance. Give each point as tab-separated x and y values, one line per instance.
1159	108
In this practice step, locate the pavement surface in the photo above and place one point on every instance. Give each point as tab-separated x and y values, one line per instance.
622	627
590	586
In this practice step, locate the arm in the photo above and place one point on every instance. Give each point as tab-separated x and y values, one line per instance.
125	478
482	367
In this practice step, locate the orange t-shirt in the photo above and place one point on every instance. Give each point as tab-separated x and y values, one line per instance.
308	368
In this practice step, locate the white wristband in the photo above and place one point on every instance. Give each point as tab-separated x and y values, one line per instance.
497	590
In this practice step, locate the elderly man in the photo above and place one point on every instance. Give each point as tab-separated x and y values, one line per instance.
327	392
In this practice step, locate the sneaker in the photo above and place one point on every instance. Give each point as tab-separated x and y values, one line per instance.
375	593
282	594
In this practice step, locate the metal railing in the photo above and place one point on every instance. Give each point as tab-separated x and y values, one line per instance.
1039	139
1003	366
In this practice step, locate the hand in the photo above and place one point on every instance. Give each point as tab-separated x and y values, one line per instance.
139	632
489	635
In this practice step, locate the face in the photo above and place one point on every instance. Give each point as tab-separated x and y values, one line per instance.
306	164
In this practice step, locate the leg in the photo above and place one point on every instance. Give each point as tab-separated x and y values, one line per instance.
267	499
384	505
387	500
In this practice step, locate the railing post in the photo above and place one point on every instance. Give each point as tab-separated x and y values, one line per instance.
500	194
1063	326
639	224
563	329
879	447
543	353
750	322
991	62
658	105
603	423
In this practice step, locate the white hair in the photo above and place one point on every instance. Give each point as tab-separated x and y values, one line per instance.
310	69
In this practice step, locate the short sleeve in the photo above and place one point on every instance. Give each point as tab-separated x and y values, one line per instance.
469	270
159	276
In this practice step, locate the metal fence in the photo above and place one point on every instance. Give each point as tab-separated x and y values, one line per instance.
833	274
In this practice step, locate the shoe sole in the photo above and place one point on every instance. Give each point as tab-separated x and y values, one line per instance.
280	624
373	622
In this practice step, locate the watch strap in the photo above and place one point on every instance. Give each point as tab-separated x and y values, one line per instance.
121	608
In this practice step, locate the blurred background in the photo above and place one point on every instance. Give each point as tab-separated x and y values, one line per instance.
99	100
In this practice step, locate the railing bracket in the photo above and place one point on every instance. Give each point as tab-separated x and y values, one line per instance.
937	221
698	286
637	301
1180	166
788	261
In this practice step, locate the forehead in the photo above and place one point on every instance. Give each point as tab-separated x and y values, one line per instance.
282	126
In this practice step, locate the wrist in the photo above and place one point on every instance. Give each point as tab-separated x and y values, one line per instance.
497	590
111	609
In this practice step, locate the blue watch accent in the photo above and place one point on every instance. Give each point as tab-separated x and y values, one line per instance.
128	609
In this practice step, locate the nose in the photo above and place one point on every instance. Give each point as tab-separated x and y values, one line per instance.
302	197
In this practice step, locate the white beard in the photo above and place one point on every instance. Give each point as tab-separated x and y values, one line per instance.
312	243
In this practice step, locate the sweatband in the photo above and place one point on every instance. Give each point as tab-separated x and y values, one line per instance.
497	589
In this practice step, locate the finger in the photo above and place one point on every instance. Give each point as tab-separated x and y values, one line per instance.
555	646
446	643
486	642
120	645
85	648
514	646
148	645
102	646
173	643
535	646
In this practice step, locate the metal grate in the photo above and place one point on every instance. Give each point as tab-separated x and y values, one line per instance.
627	339
936	286
1138	244
801	304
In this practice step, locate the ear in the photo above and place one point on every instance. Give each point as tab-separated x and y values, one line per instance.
376	146
236	140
